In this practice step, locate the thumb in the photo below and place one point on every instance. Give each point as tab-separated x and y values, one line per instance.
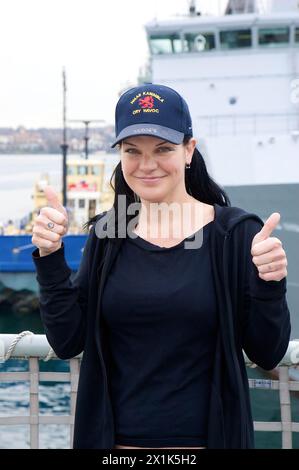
267	228
53	200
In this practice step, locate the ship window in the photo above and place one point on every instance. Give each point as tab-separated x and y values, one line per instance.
71	203
274	36
94	170
165	43
235	39
71	170
82	170
199	42
81	203
297	34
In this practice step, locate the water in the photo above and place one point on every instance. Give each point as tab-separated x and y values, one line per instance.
54	399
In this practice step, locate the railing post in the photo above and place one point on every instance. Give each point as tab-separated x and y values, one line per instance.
285	408
74	373
34	402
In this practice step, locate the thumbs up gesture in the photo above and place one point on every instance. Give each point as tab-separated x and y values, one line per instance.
50	225
267	253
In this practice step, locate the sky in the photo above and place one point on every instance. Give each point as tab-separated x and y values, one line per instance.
101	44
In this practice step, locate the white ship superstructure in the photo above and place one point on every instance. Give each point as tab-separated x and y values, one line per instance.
239	72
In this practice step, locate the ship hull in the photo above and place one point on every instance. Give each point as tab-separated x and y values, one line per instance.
264	200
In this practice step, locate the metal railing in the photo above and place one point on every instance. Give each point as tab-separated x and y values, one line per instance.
248	124
33	348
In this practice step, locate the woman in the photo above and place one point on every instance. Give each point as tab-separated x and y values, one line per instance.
164	311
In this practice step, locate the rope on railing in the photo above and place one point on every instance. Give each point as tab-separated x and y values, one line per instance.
13	344
35	347
10	349
50	355
38	346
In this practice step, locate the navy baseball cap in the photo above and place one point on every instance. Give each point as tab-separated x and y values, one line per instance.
155	110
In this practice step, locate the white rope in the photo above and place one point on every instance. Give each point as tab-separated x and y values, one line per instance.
49	356
15	342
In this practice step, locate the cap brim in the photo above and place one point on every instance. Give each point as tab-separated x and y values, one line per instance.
153	130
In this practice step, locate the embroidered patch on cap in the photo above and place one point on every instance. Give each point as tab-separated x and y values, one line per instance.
147	102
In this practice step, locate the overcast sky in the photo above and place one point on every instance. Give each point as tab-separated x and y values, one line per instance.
101	44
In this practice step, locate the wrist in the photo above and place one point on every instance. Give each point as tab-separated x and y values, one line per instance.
43	252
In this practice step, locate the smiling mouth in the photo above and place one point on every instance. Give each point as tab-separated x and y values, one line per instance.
151	178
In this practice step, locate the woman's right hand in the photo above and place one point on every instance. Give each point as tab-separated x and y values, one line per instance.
45	238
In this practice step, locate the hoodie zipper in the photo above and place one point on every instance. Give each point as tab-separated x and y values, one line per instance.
231	339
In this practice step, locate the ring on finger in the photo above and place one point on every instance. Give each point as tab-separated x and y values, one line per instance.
50	225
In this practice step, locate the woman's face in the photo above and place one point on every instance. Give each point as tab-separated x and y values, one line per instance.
145	157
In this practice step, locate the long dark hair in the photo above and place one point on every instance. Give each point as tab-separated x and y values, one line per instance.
199	184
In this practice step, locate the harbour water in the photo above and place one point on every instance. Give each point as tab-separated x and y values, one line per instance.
54	399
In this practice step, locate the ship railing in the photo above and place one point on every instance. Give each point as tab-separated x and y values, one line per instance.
35	348
249	124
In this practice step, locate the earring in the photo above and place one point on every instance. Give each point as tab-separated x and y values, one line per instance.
187	166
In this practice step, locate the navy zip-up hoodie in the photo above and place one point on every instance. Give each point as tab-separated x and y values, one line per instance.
253	314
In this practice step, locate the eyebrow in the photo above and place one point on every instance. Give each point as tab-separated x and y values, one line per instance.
161	143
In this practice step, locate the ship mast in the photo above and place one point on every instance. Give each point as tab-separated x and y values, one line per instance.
64	145
86	136
192	8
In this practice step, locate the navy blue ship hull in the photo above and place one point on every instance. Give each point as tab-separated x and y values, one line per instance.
16	252
18	284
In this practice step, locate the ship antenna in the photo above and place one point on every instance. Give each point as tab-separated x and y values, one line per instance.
64	145
192	7
86	136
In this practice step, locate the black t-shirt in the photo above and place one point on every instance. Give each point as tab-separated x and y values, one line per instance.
160	315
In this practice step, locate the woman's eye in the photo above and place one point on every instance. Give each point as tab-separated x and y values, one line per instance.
165	149
159	150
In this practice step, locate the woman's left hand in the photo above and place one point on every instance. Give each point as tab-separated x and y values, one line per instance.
267	253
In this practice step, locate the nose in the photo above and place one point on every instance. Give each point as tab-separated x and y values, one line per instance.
147	163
